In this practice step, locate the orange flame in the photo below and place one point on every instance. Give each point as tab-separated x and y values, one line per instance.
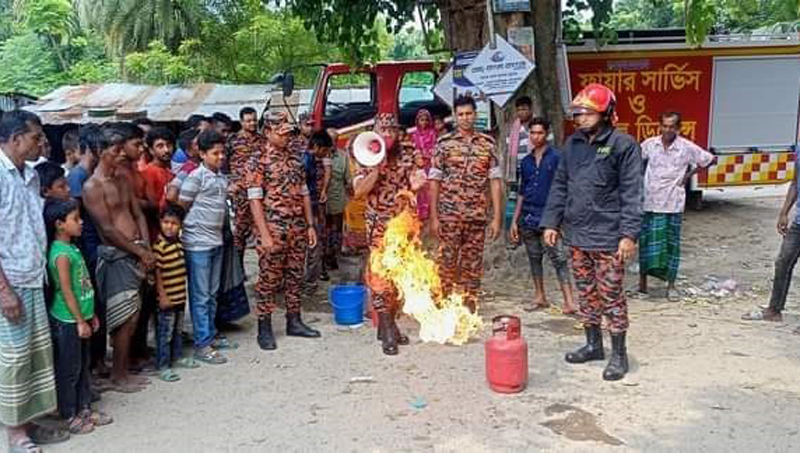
402	260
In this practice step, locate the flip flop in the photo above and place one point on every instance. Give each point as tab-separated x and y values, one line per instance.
24	445
187	362
42	435
167	375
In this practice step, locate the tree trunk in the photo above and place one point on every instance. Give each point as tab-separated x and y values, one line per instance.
464	23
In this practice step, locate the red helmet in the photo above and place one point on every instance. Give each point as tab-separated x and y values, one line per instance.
594	97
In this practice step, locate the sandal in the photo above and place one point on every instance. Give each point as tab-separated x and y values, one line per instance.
97	418
42	435
210	356
222	342
187	362
167	375
24	445
78	425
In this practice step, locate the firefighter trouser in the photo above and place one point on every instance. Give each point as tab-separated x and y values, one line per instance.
461	258
282	265
598	277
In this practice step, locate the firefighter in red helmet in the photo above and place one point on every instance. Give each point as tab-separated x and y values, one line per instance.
596	203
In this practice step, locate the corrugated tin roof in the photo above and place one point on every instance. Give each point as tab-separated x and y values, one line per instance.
72	104
12	100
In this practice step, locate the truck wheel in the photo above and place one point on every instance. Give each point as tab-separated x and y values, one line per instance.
694	200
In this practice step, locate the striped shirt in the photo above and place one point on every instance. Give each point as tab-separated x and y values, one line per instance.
207	192
172	265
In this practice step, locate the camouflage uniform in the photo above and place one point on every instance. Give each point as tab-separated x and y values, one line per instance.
277	178
244	148
382	207
463	165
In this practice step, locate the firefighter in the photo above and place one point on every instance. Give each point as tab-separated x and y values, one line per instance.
596	198
402	170
464	167
281	209
244	146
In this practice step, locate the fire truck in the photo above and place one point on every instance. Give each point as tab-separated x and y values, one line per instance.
348	100
738	96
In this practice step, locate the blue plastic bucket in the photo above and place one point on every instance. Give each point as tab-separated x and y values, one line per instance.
348	304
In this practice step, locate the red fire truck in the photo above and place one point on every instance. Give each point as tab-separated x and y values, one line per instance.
738	95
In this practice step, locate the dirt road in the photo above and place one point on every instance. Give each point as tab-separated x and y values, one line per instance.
701	380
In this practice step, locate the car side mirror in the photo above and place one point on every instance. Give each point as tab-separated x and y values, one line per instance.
288	84
286	80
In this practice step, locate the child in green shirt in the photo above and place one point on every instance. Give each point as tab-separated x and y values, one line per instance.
72	317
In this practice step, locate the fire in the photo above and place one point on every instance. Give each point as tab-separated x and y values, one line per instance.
402	260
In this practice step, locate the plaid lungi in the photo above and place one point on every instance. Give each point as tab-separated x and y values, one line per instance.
27	382
660	245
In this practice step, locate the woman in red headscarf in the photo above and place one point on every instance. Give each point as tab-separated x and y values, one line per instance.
424	138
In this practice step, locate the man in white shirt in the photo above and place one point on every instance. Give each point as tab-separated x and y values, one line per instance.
671	161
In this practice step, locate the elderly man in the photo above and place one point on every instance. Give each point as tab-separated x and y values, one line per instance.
671	162
27	384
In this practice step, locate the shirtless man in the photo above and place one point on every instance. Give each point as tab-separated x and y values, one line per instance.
131	151
113	207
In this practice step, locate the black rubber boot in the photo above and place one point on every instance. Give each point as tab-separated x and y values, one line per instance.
266	339
296	328
618	364
593	349
387	332
401	338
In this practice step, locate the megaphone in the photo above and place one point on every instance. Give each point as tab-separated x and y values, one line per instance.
369	149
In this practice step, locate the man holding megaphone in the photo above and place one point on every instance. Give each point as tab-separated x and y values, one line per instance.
389	168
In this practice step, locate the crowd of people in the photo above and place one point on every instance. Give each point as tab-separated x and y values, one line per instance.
137	224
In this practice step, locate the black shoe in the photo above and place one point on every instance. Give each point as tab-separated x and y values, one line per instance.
593	349
387	333
296	328
324	276
266	339
618	364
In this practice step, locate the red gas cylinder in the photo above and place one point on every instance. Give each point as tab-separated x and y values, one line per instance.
506	356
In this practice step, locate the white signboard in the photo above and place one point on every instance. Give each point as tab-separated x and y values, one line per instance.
499	72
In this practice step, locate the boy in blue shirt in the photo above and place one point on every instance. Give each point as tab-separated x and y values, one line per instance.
537	171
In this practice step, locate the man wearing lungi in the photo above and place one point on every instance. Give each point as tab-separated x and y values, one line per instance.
596	200
671	161
27	384
124	256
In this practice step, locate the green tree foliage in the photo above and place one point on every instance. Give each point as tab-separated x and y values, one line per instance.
648	14
351	24
131	25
